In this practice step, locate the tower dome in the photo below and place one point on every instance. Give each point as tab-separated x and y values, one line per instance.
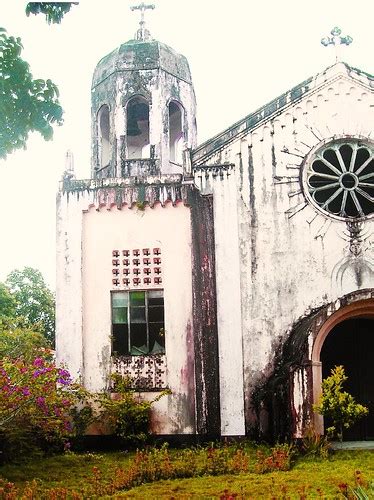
143	111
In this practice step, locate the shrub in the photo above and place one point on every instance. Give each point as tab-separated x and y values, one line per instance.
315	445
337	404
36	398
127	416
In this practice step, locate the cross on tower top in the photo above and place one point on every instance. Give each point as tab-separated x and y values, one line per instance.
337	41
142	34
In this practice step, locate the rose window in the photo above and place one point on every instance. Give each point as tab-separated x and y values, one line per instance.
339	179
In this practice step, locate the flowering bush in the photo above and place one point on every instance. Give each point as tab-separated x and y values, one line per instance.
36	398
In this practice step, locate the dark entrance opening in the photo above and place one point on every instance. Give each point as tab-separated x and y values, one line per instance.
351	344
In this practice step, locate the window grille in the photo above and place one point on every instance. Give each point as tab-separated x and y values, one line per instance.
339	179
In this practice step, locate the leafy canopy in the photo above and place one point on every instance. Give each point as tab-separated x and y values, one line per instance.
34	301
26	105
53	11
7	303
20	341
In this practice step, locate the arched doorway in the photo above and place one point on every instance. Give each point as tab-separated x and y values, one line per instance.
347	338
351	344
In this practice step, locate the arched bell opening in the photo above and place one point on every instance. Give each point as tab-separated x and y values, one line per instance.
137	128
176	136
103	121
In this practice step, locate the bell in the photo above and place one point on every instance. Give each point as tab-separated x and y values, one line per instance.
132	126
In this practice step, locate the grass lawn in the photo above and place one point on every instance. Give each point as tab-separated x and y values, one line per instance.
308	478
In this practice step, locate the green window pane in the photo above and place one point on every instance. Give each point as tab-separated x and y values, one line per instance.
120	299
119	315
137	299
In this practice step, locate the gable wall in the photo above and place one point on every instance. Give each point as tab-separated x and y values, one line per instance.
291	258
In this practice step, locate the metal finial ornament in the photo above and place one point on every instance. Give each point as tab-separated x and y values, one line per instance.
336	40
142	34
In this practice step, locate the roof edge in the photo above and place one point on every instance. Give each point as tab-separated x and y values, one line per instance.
202	152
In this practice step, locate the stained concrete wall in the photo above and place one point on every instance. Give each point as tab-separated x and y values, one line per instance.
292	258
220	182
87	235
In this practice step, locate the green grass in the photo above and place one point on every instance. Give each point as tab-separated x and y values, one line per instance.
75	472
71	470
316	478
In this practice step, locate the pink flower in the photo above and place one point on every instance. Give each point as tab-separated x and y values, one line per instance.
40	401
38	362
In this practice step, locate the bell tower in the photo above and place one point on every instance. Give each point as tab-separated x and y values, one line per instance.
143	109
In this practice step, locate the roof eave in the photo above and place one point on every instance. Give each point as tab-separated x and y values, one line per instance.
274	107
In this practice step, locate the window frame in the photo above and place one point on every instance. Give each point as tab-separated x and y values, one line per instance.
130	344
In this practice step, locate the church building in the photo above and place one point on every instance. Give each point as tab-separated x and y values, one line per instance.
235	273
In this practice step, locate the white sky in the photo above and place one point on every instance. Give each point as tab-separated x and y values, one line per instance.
242	54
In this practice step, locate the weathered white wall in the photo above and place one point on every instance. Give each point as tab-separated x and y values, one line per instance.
86	241
289	253
69	327
230	351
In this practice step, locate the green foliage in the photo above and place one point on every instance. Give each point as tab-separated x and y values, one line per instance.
18	341
34	300
7	302
338	405
53	11
36	397
82	416
126	415
26	105
315	445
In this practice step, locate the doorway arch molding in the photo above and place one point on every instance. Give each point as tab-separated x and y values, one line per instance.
355	305
359	304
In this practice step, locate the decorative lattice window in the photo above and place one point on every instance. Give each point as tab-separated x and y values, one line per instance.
136	268
145	373
339	179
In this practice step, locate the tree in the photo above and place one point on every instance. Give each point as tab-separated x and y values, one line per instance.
338	405
7	303
34	300
26	105
18	341
53	11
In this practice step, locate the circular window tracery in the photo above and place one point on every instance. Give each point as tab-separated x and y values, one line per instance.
339	179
